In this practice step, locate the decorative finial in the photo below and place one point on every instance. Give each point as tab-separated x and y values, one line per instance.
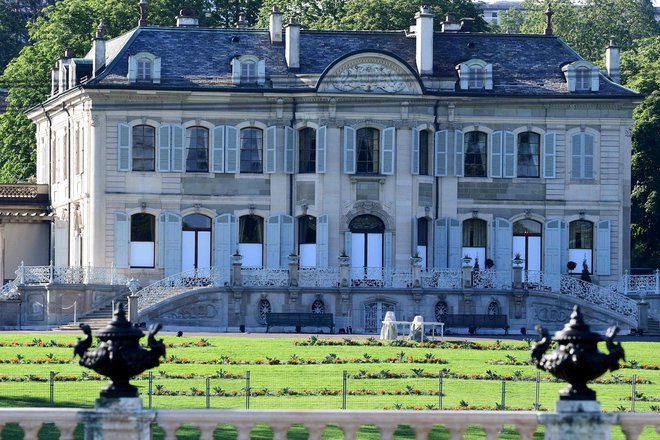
548	27
100	31
143	13
242	21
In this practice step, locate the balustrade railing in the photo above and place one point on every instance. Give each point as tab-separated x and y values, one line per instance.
69	275
441	279
318	277
599	296
490	279
265	276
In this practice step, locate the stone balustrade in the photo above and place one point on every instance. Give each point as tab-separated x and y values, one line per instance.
315	422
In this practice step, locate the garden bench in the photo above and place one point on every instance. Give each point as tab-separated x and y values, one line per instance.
475	321
300	320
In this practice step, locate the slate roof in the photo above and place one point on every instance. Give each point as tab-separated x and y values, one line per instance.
200	58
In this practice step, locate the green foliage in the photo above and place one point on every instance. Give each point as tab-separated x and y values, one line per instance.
511	21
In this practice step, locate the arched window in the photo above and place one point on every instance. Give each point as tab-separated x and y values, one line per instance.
248	72
144	148
529	146
368	150
422	239
307	240
493	308
527	243
424	151
142	243
318	306
196	242
474	240
440	311
144	72
252	141
263	309
307	150
477	74
197	150
581	243
250	240
582	79
475	154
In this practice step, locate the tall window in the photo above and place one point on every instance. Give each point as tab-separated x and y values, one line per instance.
307	150
582	79
307	240
250	240
142	240
582	156
529	145
476	77
368	148
474	240
424	139
144	69
197	149
252	141
581	243
475	154
248	72
422	239
144	148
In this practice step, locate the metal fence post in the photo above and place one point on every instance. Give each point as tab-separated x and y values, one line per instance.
440	390
343	391
151	383
208	393
247	390
633	394
52	388
538	383
503	403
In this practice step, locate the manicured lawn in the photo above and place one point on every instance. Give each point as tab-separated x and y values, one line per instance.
301	373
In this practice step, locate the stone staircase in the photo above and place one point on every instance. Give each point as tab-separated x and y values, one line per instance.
653	328
96	319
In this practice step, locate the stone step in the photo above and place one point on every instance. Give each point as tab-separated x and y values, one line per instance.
96	319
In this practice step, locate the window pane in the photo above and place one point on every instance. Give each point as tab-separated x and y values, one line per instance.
144	151
144	70
580	235
248	72
475	154
424	152
476	77
368	147
251	150
251	229
528	154
474	233
582	79
307	229
197	149
142	227
196	221
422	232
526	227
307	150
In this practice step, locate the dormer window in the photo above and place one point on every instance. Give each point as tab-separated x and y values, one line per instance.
248	70
581	76
475	74
144	67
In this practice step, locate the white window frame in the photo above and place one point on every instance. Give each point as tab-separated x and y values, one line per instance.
468	70
590	77
134	62
258	77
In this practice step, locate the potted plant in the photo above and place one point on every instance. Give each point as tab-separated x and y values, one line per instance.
237	257
466	260
343	258
294	258
517	259
585	275
416	260
489	263
571	265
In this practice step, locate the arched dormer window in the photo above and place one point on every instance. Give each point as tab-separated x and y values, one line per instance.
248	70
144	67
475	74
581	76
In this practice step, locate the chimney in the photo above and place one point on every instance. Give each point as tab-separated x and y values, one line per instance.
143	13
612	60
242	22
98	48
63	71
292	46
55	80
187	18
450	24
275	26
424	40
466	24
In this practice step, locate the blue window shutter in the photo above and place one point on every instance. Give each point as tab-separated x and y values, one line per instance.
348	244
157	70
588	159
123	147
225	244
164	151
440	234
454	241
595	76
563	249
271	149
414	159
322	241
509	155
121	239
496	141
458	152
503	237
552	263
132	69
235	72
261	72
231	150
349	150
321	148
218	149
603	240
273	231
387	249
170	243
549	155
415	234
576	155
286	239
441	144
289	150
177	149
388	150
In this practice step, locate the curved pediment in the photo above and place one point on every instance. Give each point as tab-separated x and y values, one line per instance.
372	73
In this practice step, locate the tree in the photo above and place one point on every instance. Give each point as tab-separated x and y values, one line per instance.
368	14
15	16
511	21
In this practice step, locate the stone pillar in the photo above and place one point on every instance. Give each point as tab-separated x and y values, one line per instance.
294	264
467	276
416	263
133	308
643	316
577	420
343	271
117	419
517	277
236	274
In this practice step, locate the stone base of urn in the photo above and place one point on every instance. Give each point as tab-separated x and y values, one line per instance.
577	420
118	419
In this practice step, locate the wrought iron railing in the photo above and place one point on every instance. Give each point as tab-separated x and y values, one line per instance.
599	297
441	279
318	277
69	275
265	276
